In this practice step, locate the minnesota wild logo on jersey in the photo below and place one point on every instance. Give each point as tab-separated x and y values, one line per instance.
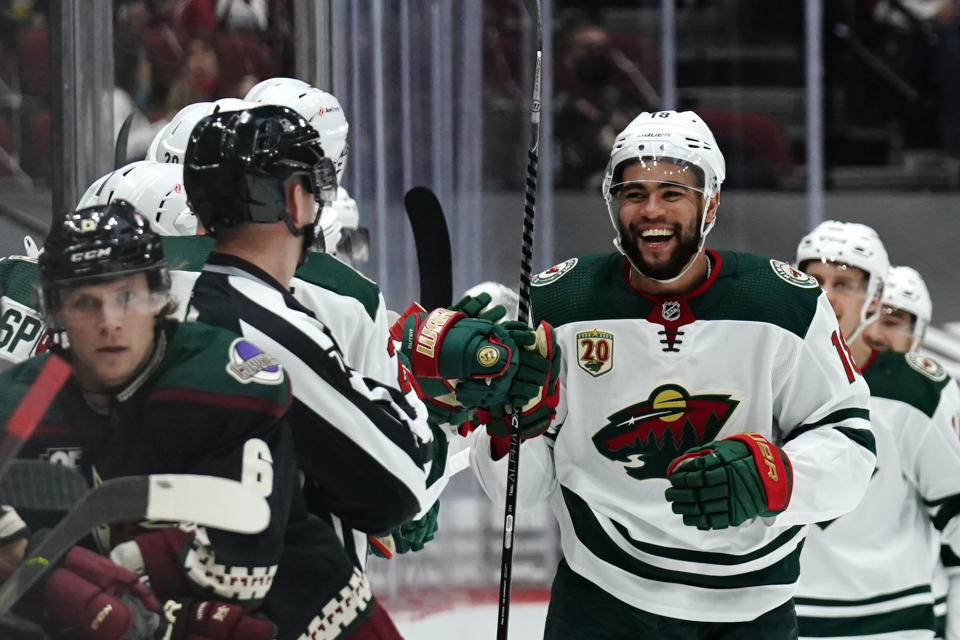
553	273
638	435
595	352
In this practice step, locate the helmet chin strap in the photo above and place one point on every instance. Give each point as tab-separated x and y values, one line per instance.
704	230
864	320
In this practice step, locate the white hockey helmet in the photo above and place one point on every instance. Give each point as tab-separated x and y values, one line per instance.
170	143
499	294
905	289
155	189
319	108
343	236
681	138
852	244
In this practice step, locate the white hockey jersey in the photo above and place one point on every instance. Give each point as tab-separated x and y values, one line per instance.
868	574
755	348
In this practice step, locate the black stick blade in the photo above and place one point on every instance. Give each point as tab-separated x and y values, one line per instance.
432	241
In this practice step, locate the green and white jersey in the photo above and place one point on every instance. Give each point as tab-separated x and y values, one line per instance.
22	332
868	574
755	348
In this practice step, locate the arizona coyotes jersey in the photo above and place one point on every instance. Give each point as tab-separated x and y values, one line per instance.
868	573
206	401
754	349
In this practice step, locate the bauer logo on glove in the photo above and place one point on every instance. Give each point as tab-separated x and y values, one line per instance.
726	482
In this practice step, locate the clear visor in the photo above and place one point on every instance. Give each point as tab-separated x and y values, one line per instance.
89	305
896	322
677	172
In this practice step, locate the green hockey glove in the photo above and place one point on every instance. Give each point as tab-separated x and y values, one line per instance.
410	536
478	353
726	482
476	307
536	385
441	402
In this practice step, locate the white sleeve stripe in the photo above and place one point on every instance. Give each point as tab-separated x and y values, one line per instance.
316	396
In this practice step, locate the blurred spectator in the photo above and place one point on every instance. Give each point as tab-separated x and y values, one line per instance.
229	15
132	91
599	91
198	80
242	15
933	29
133	16
243	87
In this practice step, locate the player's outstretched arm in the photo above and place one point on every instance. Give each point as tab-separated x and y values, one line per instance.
823	426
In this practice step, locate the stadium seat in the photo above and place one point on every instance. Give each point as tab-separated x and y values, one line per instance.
241	54
165	55
34	58
6	143
35	158
761	134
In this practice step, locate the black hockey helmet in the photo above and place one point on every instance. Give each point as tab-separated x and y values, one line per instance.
236	164
99	243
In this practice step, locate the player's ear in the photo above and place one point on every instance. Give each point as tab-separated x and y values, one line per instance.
293	195
712	206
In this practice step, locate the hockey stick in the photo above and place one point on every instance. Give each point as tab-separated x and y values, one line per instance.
120	149
28	414
523	315
204	500
40	485
432	241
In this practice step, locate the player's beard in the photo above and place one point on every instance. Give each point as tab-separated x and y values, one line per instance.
688	244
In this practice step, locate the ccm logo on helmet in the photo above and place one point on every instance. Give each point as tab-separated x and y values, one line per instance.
93	254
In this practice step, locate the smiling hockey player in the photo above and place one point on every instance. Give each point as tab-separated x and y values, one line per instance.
705	413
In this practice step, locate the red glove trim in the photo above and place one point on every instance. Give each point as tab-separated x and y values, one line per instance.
681	459
506	365
381	547
425	351
773	466
499	446
396	331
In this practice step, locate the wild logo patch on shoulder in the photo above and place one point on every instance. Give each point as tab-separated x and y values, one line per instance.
794	276
248	363
554	273
595	352
927	366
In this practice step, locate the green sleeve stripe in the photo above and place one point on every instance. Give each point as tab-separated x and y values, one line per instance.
594	538
829	602
908	619
949	507
948	557
863	437
837	416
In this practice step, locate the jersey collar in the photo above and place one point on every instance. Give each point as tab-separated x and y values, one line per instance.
703	286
